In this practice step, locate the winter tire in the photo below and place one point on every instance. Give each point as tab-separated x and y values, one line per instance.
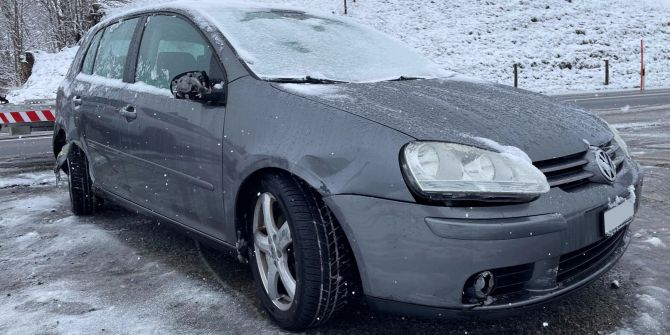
81	195
300	258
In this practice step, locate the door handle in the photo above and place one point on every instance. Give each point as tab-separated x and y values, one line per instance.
129	113
76	101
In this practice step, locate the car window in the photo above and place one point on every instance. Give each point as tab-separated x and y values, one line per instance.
171	46
113	51
87	67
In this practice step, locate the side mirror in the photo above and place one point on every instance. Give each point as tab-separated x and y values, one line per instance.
195	85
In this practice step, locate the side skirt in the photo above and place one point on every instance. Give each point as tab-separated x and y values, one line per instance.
200	236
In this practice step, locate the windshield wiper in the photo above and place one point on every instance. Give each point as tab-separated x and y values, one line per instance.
403	78
307	80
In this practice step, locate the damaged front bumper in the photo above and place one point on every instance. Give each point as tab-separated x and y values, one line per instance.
61	159
422	259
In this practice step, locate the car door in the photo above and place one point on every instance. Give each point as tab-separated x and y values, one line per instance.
176	167
98	90
80	101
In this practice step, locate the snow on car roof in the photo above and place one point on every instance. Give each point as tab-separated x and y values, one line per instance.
201	7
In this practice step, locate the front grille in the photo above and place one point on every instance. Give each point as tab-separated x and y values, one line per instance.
568	172
511	279
588	259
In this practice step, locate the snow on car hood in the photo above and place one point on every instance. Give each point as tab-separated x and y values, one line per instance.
453	110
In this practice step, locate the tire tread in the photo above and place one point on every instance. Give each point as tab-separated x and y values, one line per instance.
328	266
81	194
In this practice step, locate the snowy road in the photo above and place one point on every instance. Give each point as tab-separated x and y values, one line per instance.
121	273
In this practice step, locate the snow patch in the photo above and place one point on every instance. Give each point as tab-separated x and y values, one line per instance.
650	301
631	193
31	236
455	76
511	152
618	200
323	90
657	4
140	87
637	125
655	241
21	210
653	307
28	179
646	321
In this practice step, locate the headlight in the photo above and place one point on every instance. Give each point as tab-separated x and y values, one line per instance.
442	171
619	141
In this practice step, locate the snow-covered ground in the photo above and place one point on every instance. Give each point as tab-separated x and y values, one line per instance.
27	179
560	45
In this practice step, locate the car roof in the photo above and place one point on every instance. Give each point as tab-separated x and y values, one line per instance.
197	8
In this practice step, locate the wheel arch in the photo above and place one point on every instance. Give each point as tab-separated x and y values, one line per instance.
59	141
245	194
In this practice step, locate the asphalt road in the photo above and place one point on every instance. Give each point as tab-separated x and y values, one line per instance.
642	118
619	99
119	272
36	143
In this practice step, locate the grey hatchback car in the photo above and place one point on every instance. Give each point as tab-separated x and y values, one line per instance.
341	165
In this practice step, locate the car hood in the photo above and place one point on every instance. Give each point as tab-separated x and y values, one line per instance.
465	111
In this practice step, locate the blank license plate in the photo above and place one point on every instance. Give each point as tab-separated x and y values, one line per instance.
614	218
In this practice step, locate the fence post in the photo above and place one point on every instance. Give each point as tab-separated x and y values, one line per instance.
516	75
607	72
345	6
642	70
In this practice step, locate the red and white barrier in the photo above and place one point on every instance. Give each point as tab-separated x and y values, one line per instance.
27	116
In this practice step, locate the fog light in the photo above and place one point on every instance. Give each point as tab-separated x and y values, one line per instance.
483	284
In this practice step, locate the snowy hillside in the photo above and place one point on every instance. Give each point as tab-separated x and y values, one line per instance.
560	45
48	72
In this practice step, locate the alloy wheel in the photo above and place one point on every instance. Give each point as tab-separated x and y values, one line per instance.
273	246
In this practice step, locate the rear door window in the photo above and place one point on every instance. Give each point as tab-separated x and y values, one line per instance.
87	67
113	51
171	46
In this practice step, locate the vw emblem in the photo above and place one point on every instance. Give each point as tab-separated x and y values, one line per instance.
605	165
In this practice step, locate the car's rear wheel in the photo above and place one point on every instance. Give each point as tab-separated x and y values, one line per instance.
81	193
299	256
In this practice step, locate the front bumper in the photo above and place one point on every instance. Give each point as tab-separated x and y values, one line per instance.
416	258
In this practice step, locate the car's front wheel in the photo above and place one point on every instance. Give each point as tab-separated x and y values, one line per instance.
300	259
79	183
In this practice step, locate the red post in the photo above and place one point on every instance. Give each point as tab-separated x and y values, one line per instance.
642	65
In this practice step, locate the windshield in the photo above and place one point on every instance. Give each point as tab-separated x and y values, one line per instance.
283	44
